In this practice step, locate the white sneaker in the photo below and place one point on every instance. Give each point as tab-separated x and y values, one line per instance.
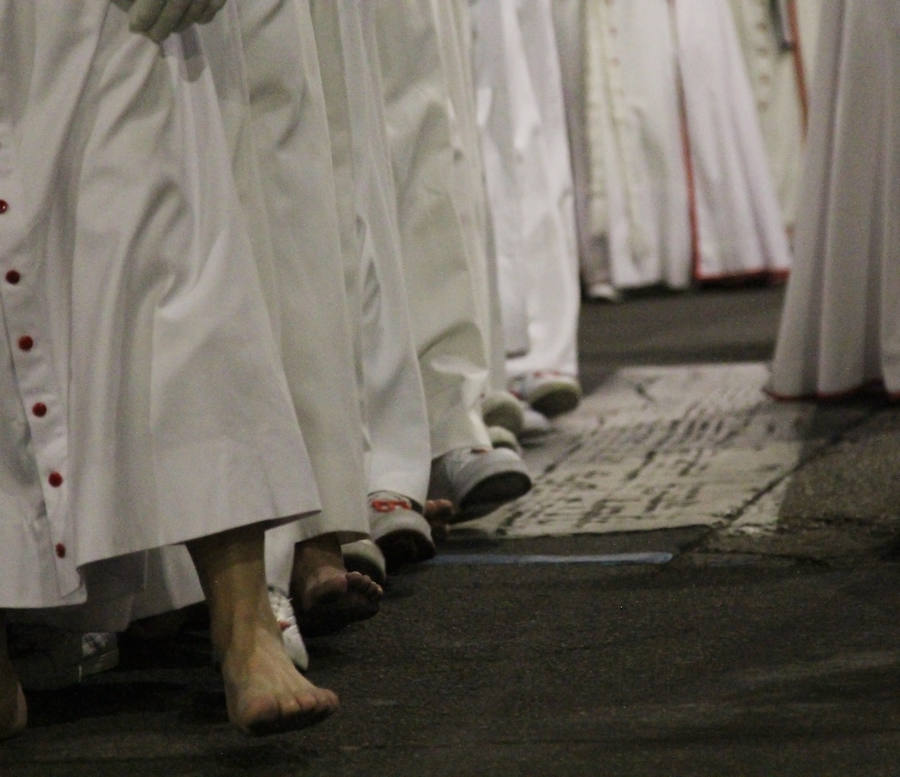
365	556
287	622
402	534
547	391
602	292
500	408
478	480
536	425
503	438
47	658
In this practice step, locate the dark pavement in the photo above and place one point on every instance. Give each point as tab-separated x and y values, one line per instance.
776	656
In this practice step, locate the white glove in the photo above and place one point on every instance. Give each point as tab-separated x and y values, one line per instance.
157	19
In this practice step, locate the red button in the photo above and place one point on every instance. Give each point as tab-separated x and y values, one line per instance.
4	206
55	479
13	277
26	343
60	550
39	409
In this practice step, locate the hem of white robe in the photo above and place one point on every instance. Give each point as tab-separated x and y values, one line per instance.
43	591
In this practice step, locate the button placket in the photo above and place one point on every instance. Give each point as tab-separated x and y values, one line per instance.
26	323
623	130
595	111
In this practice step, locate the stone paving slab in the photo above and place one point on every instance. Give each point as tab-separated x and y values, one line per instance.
662	447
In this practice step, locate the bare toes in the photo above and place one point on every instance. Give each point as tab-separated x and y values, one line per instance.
359	599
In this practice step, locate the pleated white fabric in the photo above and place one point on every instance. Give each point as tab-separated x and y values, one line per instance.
570	18
554	294
738	220
638	206
144	400
396	418
527	167
507	120
289	128
422	47
841	324
773	44
678	188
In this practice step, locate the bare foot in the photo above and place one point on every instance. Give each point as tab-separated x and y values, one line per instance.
329	597
336	599
264	692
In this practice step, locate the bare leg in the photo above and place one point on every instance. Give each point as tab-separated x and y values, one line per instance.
329	597
263	690
13	711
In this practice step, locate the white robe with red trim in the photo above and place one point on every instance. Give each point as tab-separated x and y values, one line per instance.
143	398
774	47
678	184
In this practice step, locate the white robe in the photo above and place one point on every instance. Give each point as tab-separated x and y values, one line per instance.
638	209
527	166
678	182
738	220
569	17
774	52
264	61
289	130
398	452
429	121
151	385
840	330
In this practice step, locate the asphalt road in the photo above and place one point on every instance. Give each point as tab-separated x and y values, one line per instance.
707	659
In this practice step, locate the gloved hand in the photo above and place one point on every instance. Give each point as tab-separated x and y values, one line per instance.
157	19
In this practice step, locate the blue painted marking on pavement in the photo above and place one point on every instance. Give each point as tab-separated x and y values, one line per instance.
607	559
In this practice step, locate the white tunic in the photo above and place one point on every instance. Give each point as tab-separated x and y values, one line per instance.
841	324
396	417
290	133
429	121
638	207
773	44
678	182
143	398
739	229
569	18
527	167
264	63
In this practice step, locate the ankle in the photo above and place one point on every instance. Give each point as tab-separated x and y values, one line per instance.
315	560
240	627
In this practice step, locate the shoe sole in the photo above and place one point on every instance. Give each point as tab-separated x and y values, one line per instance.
553	400
491	493
403	536
404	547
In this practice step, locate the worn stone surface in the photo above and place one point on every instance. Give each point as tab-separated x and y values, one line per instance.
662	447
